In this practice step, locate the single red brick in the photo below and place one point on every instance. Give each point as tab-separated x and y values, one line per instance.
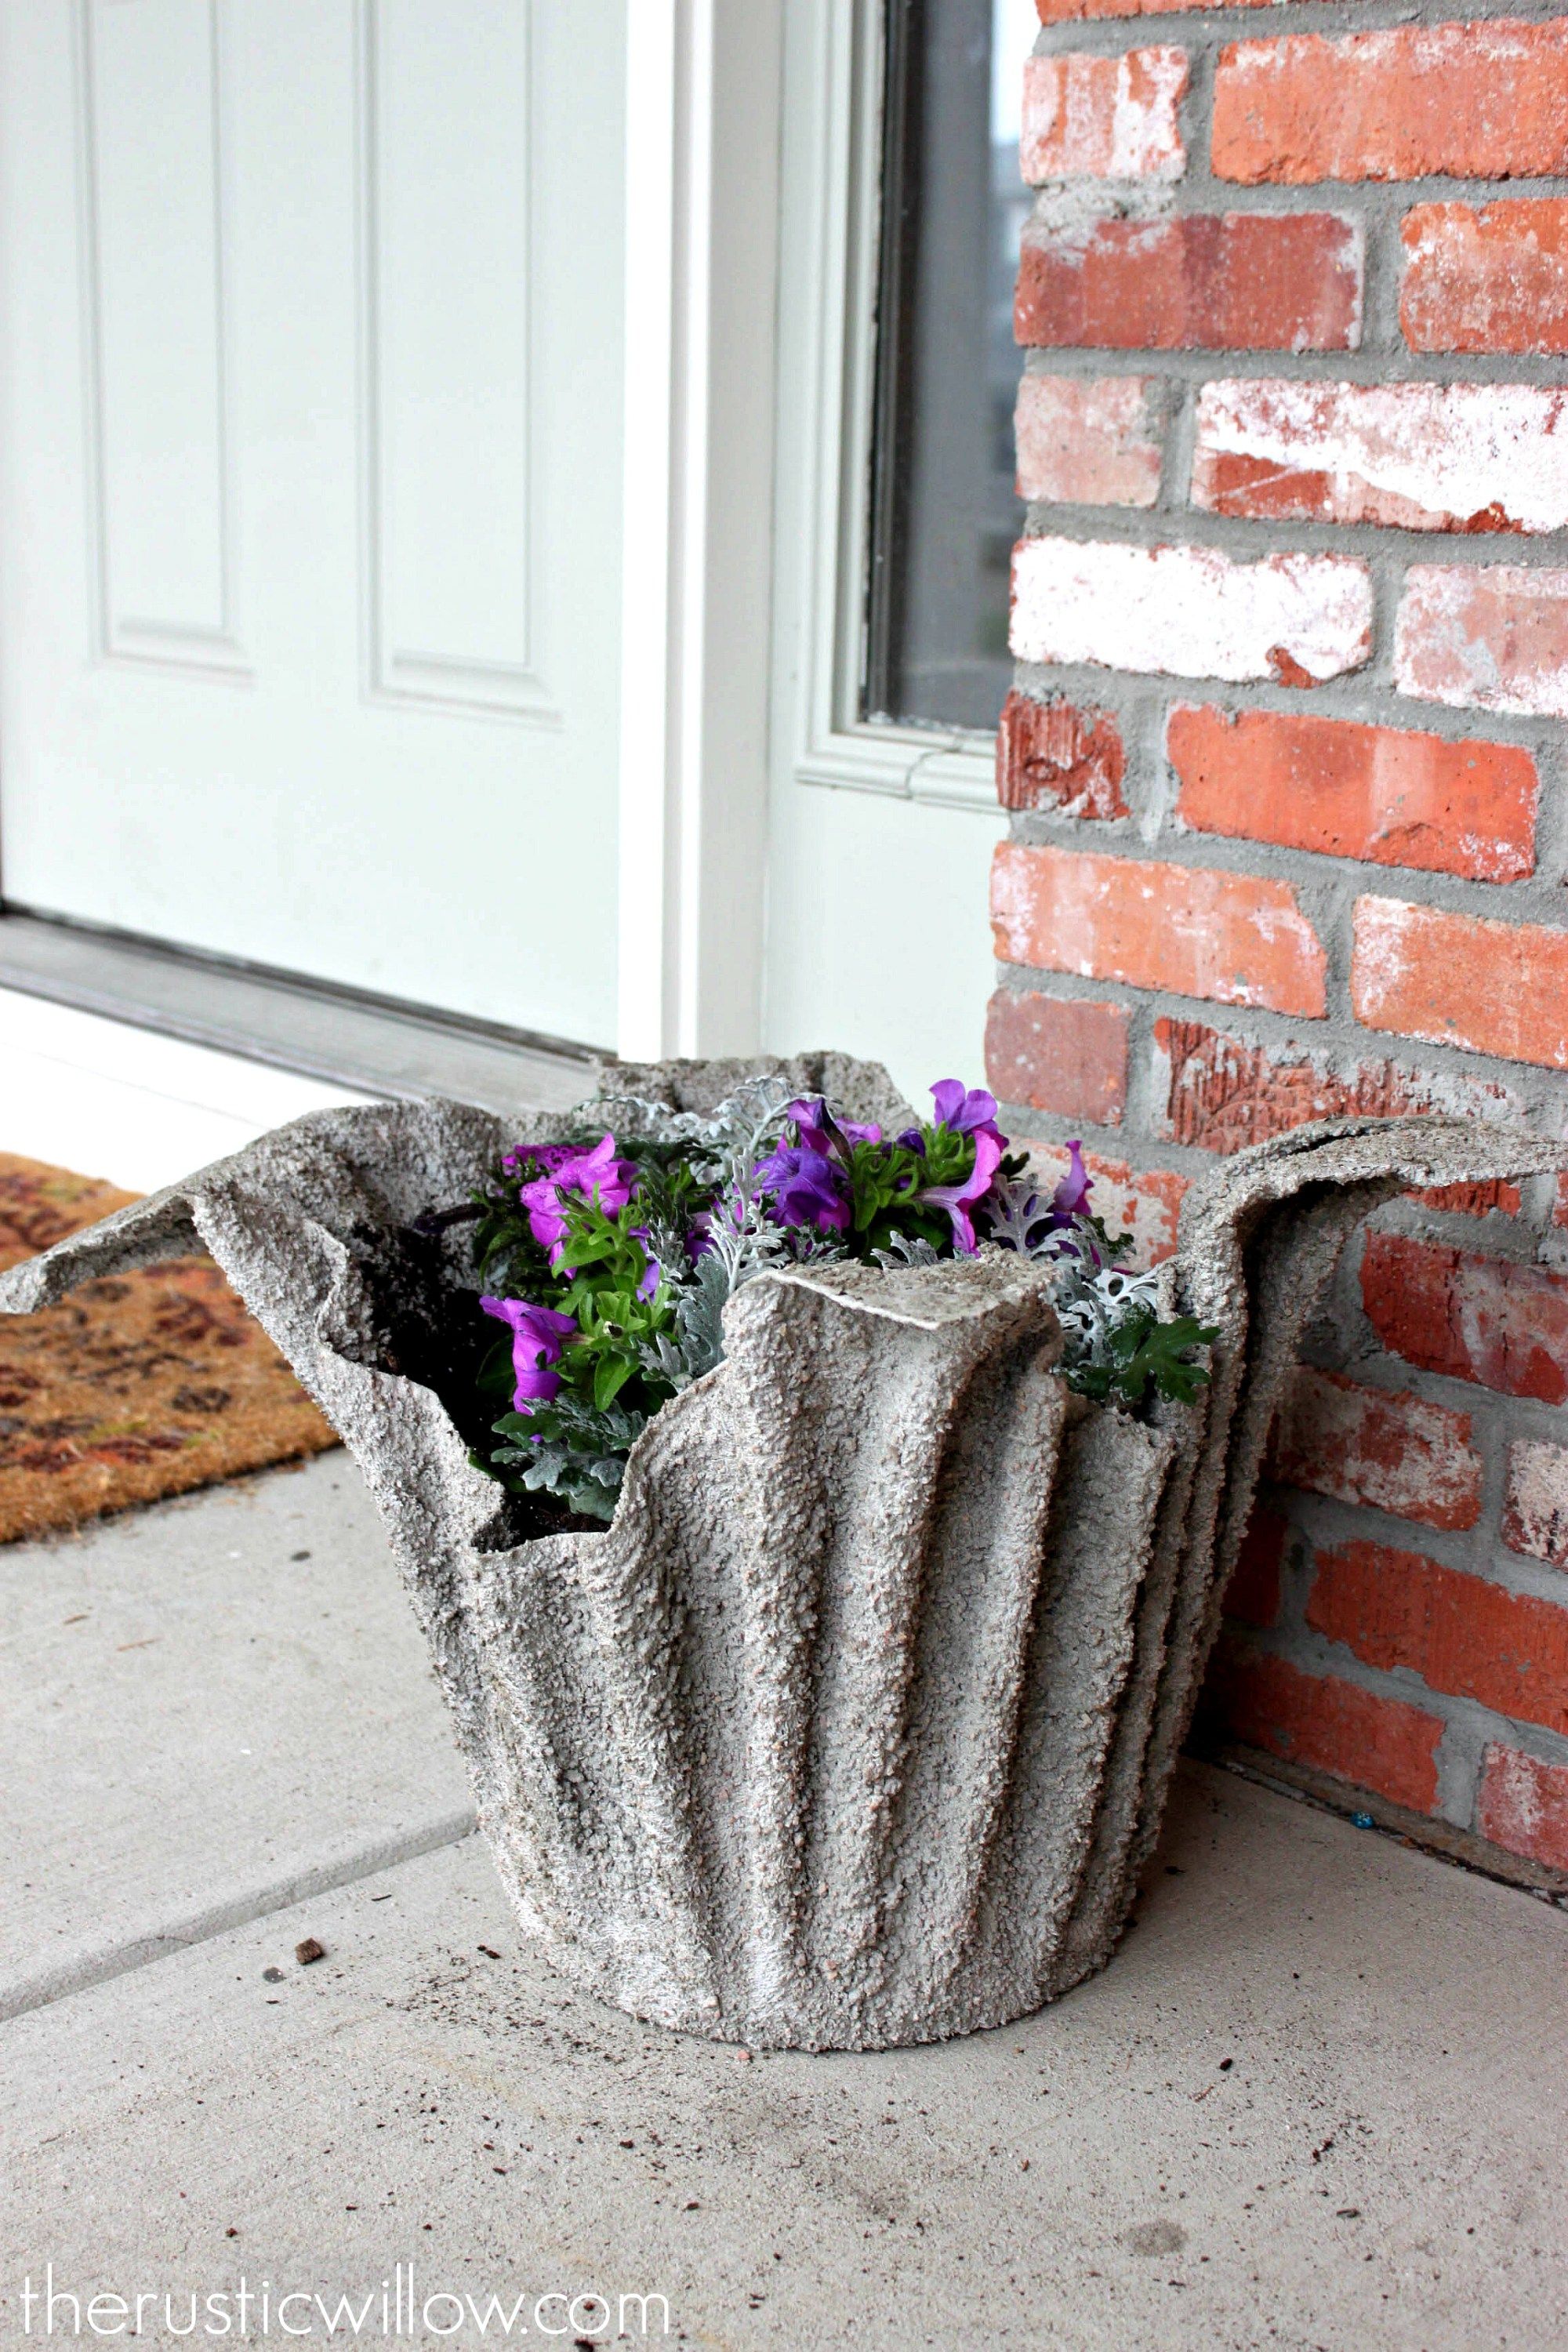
1057	1054
1535	1516
1481	100
1491	638
1103	118
1494	1196
1413	457
1352	791
1063	12
1395	1453
1202	281
1488	277
1252	1596
1459	1633
1326	1724
1221	1092
1523	1806
1088	440
1488	1319
1055	755
1462	979
1233	937
1145	1203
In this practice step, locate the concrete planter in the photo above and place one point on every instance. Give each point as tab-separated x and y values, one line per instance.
855	1728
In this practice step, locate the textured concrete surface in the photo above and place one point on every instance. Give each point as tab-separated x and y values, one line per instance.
1315	2103
855	1728
207	1708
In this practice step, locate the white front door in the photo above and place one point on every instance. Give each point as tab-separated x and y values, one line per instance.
311	423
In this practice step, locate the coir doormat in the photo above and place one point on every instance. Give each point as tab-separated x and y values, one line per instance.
139	1385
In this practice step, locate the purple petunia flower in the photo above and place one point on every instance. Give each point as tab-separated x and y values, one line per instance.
816	1130
699	1235
545	1156
1070	1198
959	1200
966	1112
811	1121
598	1174
653	1270
808	1187
538	1335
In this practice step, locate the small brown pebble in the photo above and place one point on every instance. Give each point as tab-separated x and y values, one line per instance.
488	1954
692	2206
311	1950
231	2233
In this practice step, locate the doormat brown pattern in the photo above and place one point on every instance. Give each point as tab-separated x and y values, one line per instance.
140	1385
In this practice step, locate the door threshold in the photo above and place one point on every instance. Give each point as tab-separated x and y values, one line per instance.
349	1036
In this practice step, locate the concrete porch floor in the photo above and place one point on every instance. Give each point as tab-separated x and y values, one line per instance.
1314	2102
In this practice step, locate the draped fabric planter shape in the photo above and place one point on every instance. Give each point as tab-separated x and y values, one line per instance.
855	1728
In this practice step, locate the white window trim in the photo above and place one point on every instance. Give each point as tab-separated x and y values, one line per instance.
830	231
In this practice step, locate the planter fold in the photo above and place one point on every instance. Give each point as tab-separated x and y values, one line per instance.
855	1728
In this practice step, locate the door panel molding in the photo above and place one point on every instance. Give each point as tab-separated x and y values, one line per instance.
413	844
153	227
449	563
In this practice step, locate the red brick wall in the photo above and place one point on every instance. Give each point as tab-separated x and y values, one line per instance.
1285	767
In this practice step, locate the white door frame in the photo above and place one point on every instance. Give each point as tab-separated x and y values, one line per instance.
754	186
879	834
703	119
831	197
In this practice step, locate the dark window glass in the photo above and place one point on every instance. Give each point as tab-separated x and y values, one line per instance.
944	515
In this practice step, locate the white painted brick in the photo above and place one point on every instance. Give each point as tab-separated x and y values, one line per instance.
1487	637
1190	612
1088	440
1419	456
1535	1519
1103	118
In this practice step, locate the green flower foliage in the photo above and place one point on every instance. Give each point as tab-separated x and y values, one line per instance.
626	1250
